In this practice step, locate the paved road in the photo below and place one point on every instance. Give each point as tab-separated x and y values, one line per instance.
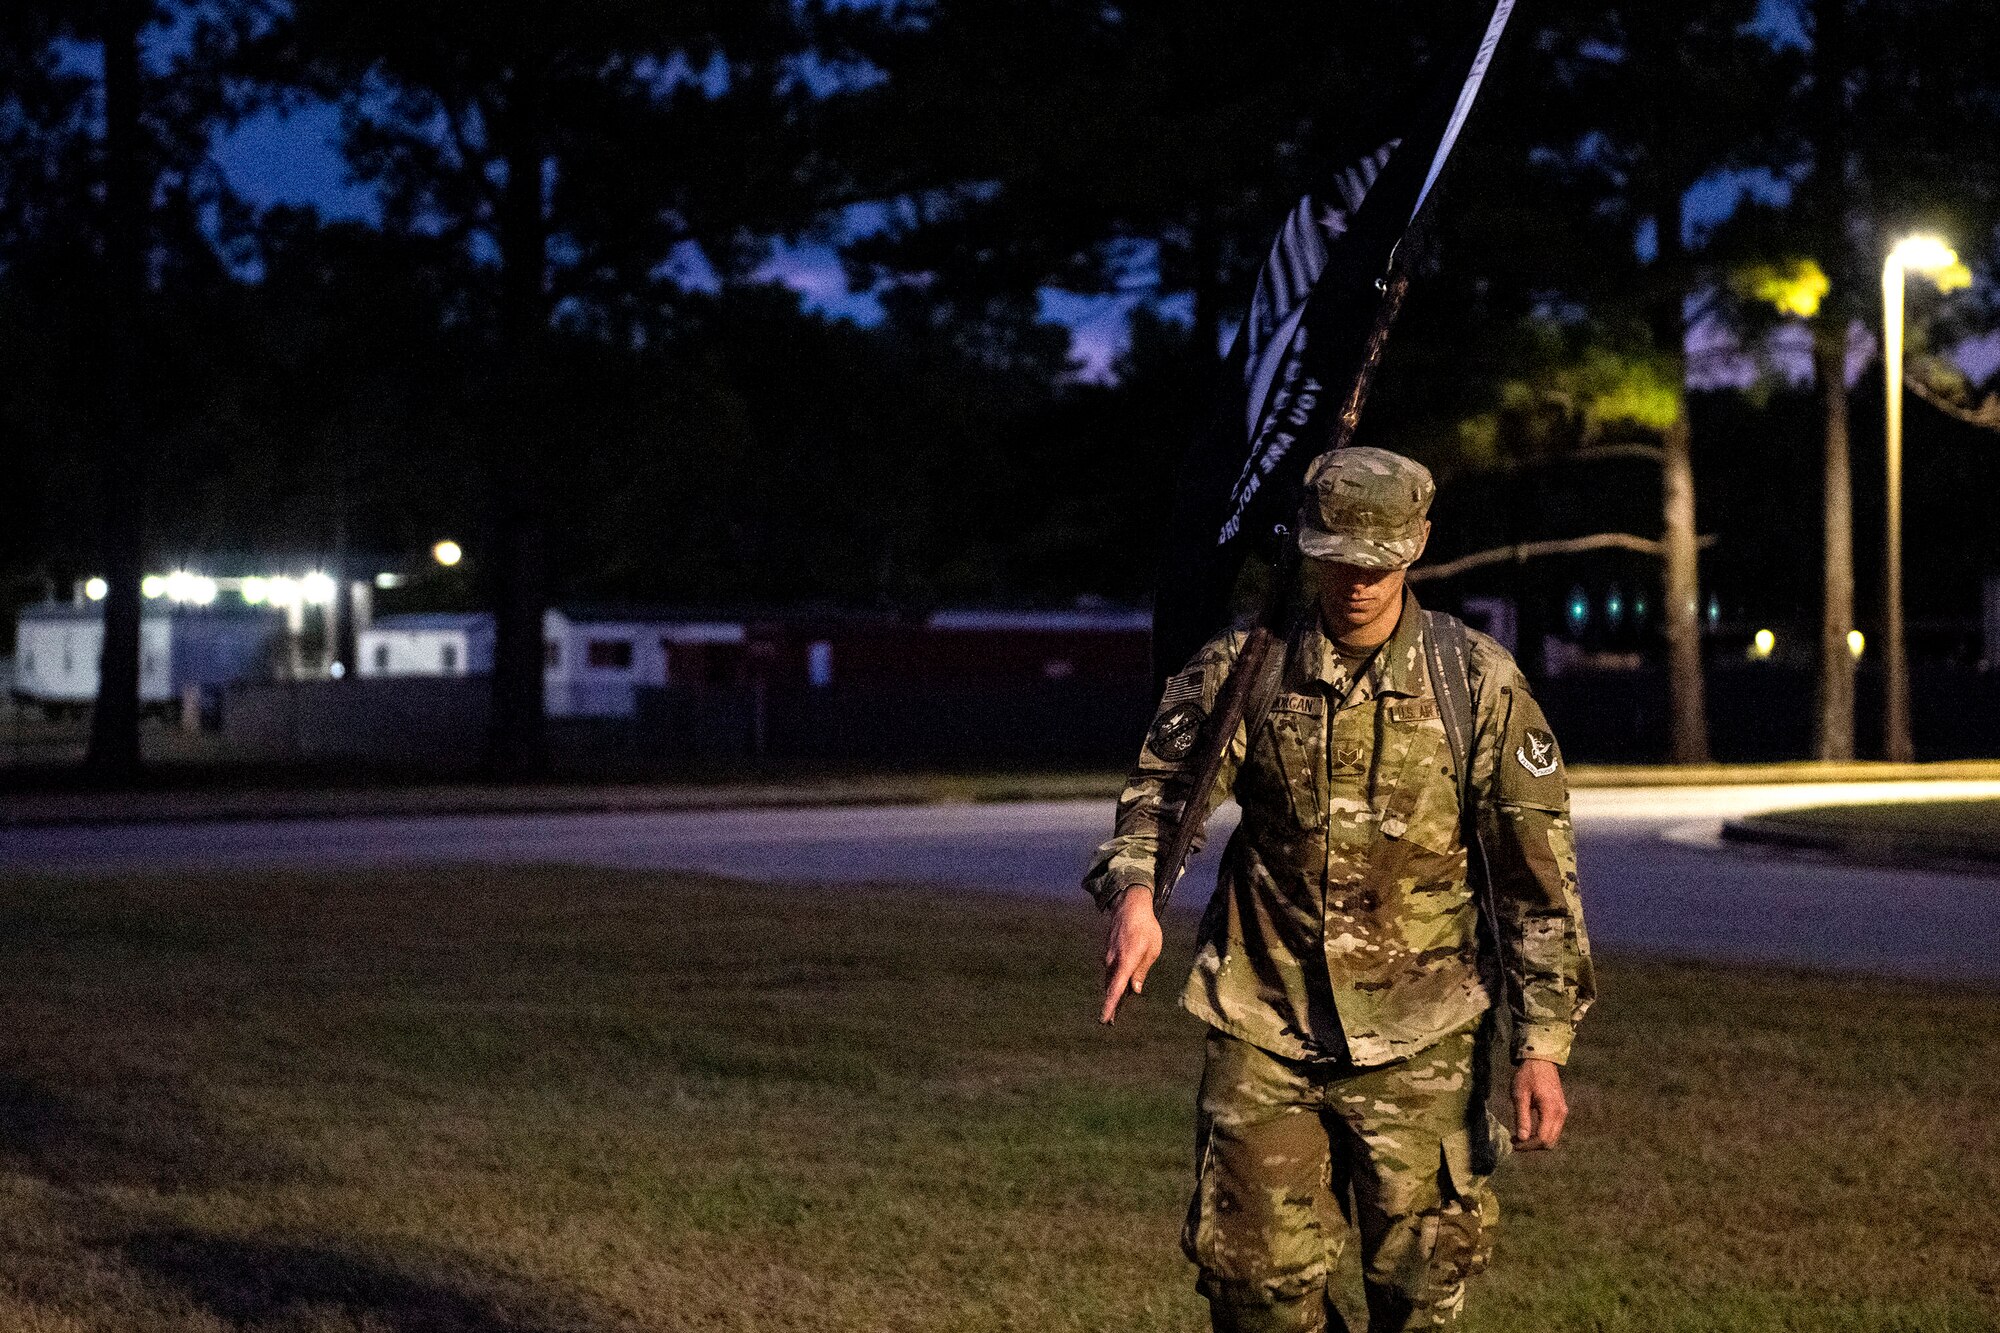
1655	878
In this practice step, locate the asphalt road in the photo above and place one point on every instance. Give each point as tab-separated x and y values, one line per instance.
1655	878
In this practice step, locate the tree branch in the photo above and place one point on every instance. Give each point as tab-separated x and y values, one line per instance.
1524	551
1986	416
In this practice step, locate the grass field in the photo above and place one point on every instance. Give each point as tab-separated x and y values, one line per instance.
1968	828
572	1102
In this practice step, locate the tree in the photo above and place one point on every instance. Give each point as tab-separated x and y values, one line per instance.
99	211
573	154
1144	150
1876	129
1663	97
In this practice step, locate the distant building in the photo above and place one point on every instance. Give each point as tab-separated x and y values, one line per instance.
58	647
595	661
430	643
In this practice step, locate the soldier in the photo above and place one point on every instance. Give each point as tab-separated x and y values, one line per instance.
1354	959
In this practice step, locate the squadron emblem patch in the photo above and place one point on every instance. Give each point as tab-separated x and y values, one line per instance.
1174	732
1537	753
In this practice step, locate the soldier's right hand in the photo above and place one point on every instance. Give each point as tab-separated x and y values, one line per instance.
1133	948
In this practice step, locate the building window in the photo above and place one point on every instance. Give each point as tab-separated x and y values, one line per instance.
819	664
610	654
381	659
448	654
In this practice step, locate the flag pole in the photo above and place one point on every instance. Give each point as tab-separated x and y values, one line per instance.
1276	623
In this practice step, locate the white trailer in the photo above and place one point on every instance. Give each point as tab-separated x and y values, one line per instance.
426	644
57	647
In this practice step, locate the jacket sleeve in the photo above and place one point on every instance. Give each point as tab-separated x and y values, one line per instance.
1524	825
1159	785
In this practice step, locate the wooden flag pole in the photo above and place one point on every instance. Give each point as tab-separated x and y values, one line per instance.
1275	625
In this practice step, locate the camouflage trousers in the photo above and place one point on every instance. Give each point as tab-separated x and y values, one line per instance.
1292	1155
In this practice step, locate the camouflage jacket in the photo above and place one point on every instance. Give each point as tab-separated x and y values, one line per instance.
1343	923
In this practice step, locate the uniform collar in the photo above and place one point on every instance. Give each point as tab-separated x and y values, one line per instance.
1397	669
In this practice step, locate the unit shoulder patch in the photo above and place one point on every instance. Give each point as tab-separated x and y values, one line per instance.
1174	732
1537	753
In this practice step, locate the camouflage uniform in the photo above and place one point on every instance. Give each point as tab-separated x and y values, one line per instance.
1340	963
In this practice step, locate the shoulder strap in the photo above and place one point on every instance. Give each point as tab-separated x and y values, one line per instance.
1448	657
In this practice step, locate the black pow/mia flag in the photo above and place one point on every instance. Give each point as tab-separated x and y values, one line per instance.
1296	358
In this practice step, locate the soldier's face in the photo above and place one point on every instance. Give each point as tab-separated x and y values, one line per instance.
1352	598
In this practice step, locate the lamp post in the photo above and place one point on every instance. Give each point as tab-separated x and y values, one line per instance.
1930	256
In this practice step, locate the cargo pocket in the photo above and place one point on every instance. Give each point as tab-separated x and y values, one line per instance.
1466	1216
1298	737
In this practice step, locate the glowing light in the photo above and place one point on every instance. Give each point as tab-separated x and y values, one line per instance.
153	585
318	589
256	591
1763	644
1934	259
190	589
448	553
96	590
386	581
1857	642
1923	254
282	591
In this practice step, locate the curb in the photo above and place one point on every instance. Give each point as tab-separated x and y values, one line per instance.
83	810
89	812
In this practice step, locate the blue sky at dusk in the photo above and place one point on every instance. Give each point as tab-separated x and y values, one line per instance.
293	159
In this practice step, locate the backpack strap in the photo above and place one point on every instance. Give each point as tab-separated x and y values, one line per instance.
1448	657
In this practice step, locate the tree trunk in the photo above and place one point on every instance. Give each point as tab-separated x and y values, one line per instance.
1687	700
1826	200
1833	733
1687	692
517	739
113	754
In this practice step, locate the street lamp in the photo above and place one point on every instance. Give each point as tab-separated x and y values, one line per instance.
447	553
1938	261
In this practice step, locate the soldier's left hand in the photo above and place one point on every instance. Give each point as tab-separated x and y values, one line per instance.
1539	1106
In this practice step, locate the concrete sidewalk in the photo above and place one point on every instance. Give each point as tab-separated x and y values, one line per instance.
169	805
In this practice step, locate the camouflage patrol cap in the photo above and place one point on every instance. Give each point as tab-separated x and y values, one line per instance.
1365	507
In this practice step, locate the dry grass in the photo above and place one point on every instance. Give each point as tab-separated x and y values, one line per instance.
1967	828
561	1101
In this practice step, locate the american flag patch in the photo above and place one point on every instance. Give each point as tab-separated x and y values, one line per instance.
1181	689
